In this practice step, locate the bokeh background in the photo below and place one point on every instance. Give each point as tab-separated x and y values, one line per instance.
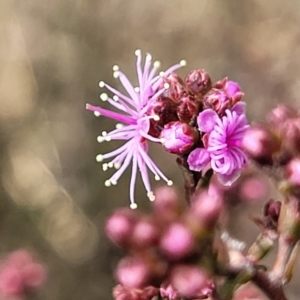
53	54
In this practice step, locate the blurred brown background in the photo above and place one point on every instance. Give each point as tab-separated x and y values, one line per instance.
53	54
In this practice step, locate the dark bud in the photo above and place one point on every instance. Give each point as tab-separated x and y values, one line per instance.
187	108
271	214
198	82
174	87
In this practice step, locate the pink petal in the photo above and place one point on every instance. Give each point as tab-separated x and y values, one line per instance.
228	180
206	120
198	159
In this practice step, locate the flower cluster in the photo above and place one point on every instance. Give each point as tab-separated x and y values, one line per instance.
166	248
20	275
202	122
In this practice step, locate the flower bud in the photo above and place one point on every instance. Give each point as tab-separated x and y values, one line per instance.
11	282
166	205
132	272
175	89
271	213
34	275
207	207
191	282
280	114
260	143
217	100
120	225
144	234
177	241
292	172
187	108
166	109
198	82
290	131
178	137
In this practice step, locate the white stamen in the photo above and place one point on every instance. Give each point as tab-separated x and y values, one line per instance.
161	74
97	114
157	178
100	139
104	133
104	167
156	64
163	140
151	196
99	157
137	52
183	62
116	74
101	84
133	206
166	85
107	183
108	138
113	182
117	165
116	98
110	164
169	182
115	68
148	57
137	89
156	118
104	97
119	125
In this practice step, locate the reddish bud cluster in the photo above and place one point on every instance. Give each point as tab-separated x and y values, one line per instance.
277	143
165	247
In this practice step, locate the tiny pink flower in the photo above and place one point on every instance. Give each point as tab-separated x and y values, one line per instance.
223	144
134	124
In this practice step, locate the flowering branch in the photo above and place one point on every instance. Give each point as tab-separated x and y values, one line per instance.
179	250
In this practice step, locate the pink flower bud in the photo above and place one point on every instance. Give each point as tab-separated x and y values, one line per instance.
198	82
290	131
166	205
120	225
144	234
292	172
191	282
34	275
260	143
207	208
177	241
280	114
132	272
178	137
11	282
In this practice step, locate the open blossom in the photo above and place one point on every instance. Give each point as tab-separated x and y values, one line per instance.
222	143
134	123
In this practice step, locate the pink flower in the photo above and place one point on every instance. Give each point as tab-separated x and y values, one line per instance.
134	124
222	143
